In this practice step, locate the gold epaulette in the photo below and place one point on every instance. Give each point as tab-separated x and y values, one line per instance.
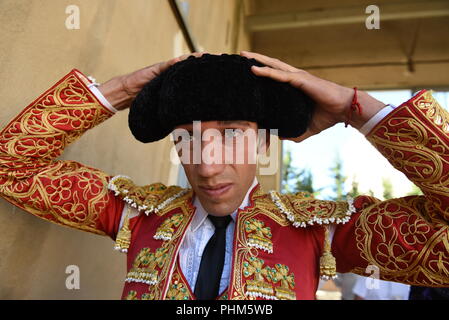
302	209
148	198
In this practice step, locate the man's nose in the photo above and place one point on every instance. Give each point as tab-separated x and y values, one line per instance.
212	162
209	170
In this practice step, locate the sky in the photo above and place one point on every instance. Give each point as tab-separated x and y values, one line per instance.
361	161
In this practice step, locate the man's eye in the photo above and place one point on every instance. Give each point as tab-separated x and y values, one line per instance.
188	138
232	133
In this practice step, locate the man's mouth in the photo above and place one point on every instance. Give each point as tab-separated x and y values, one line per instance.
216	190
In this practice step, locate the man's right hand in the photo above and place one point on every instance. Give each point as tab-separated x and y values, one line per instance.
120	91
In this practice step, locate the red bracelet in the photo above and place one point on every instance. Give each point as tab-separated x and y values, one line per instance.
355	106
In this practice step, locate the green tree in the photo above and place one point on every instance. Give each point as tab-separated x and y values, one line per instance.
295	179
354	188
388	189
415	191
339	179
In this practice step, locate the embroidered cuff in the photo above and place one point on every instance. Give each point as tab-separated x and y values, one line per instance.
376	119
93	88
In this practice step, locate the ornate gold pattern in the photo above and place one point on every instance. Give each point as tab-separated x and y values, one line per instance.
408	238
150	198
167	270
328	265
64	192
178	289
146	266
285	290
258	286
251	278
132	295
433	111
123	239
264	277
258	235
167	228
302	210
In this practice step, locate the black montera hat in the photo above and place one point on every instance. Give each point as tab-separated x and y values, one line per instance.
217	87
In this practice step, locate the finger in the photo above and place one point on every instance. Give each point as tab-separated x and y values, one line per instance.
165	65
158	68
199	54
302	137
305	136
279	75
271	62
185	56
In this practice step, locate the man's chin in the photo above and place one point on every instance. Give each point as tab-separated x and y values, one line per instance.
221	208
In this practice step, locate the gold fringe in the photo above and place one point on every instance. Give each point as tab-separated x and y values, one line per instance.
328	265
123	239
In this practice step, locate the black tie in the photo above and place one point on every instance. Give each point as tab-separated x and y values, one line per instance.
212	261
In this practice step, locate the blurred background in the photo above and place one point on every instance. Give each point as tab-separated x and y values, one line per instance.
391	50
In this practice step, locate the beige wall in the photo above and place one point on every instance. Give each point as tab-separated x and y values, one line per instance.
115	37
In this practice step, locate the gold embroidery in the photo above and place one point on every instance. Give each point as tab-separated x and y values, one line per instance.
257	286
132	295
433	111
123	239
177	291
167	228
408	238
150	198
263	278
419	258
146	266
147	296
245	255
159	290
64	192
328	264
287	280
259	236
302	210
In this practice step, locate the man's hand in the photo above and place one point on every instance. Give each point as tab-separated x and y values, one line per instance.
332	100
120	91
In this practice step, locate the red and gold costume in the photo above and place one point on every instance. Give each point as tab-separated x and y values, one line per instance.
280	241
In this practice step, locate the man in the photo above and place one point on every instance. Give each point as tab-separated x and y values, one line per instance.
226	238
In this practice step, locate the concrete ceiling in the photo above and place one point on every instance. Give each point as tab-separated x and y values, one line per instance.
330	39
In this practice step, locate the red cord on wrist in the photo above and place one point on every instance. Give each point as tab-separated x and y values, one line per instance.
355	106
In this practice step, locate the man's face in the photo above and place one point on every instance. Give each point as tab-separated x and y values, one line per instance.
226	166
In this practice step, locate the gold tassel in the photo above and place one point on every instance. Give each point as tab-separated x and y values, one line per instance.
328	265
123	238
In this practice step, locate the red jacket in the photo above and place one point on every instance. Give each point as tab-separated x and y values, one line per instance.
278	239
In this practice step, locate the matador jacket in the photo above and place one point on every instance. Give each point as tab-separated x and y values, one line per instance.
281	241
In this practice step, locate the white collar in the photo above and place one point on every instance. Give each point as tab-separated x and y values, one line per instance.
201	214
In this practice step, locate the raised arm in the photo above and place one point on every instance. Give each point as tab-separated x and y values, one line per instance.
66	192
406	238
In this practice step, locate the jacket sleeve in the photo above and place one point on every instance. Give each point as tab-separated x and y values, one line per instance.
64	192
406	238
